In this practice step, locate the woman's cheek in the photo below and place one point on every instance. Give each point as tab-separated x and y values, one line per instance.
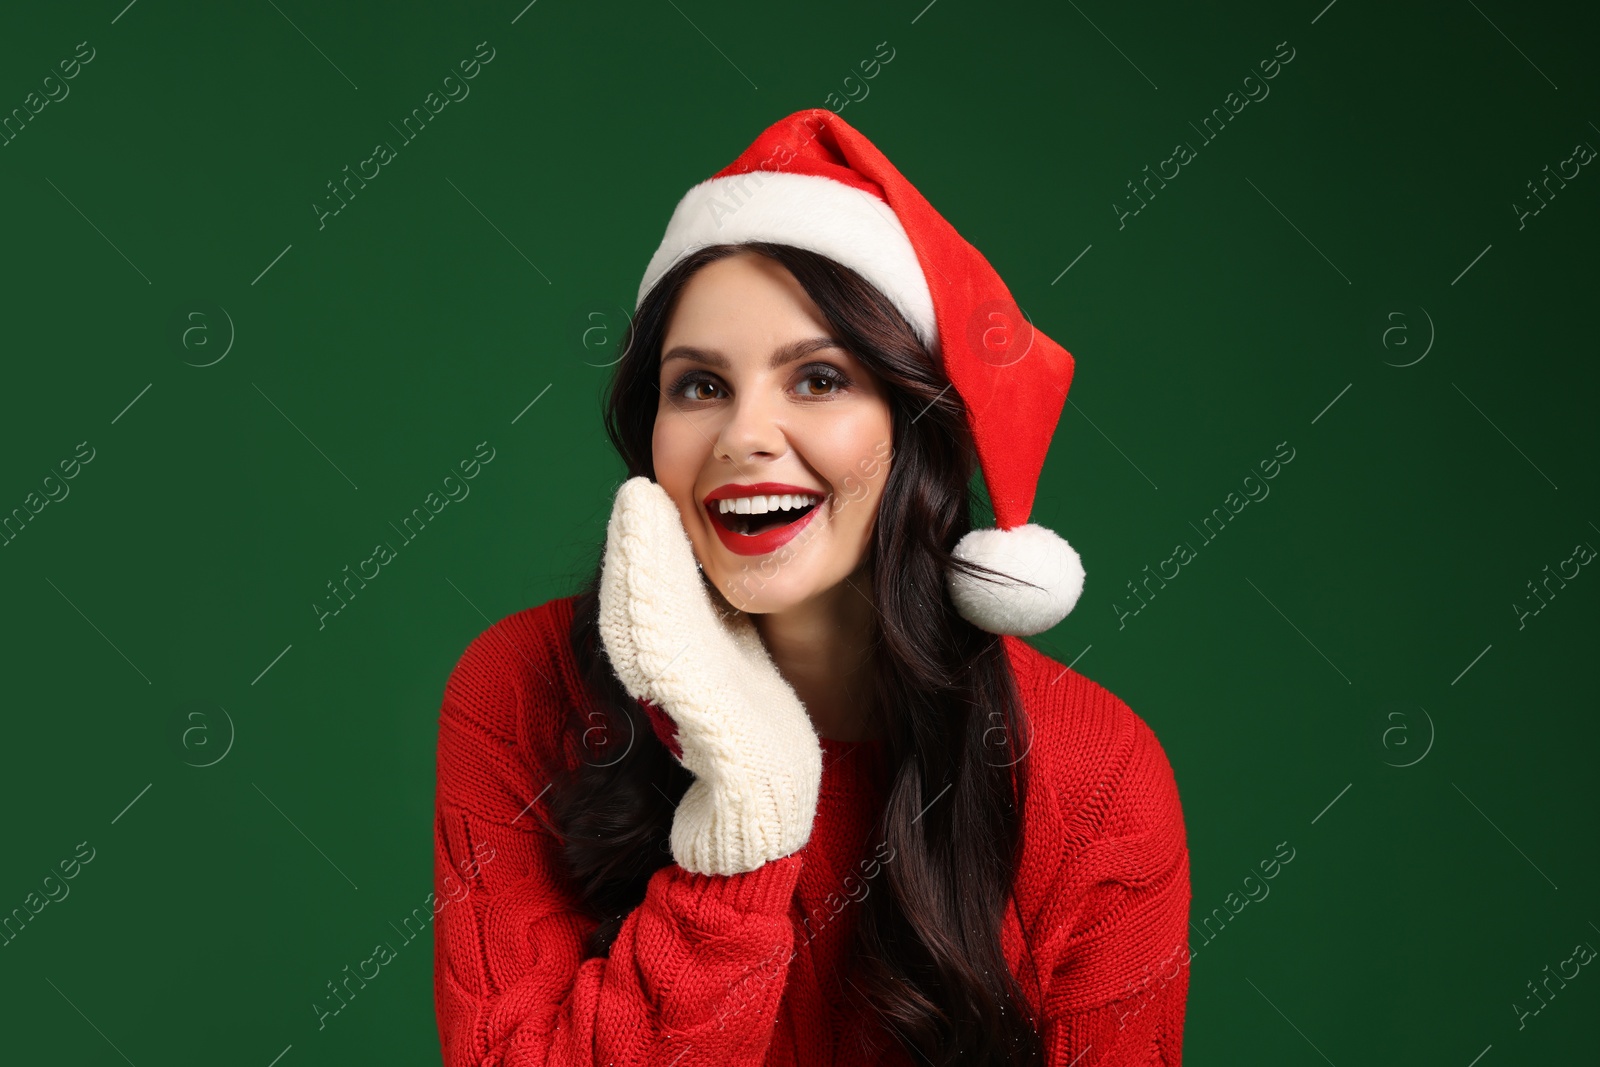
675	459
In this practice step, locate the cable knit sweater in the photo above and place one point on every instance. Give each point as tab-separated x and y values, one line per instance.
748	969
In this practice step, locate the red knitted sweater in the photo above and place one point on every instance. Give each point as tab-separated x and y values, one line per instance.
745	969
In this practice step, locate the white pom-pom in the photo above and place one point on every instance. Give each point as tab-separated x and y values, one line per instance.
1030	553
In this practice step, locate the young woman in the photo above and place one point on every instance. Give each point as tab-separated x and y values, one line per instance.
783	784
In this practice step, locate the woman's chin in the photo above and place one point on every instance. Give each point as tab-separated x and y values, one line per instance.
748	592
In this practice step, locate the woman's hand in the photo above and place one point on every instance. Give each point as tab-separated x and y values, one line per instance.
744	733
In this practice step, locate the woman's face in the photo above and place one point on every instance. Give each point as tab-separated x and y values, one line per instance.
759	402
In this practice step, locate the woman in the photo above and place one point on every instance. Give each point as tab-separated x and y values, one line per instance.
783	784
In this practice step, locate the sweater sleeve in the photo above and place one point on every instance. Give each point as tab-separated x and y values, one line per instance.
1120	979
694	975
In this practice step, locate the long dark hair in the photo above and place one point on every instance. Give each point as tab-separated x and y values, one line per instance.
928	942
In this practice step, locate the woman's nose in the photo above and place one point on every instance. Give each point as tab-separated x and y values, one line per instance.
751	430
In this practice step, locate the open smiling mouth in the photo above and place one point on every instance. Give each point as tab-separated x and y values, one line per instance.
777	511
760	523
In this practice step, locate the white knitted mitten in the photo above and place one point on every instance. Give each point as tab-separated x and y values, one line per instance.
744	733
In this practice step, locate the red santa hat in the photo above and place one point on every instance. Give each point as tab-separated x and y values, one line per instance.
812	180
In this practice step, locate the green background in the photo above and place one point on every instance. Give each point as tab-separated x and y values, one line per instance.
1362	616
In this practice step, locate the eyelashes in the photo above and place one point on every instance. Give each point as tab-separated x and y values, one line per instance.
809	373
826	372
694	377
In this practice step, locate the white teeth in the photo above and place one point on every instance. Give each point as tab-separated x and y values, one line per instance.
760	505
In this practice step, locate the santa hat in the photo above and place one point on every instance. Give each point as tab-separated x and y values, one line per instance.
813	181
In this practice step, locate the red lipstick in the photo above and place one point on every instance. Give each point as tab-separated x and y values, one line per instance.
769	540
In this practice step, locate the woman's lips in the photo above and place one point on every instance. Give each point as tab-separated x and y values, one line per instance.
768	540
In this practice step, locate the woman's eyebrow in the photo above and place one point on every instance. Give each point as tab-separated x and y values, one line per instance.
788	353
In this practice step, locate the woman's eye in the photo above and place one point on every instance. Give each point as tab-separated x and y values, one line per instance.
696	389
820	385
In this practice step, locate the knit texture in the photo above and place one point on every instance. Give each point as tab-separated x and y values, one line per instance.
750	968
